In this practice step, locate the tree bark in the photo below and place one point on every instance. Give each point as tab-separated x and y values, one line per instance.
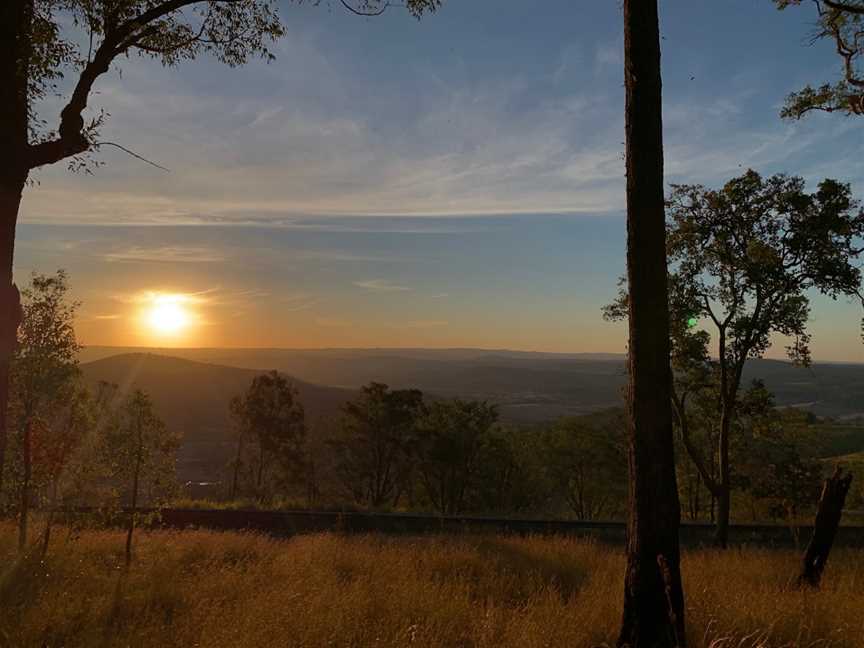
724	494
828	516
15	19
653	596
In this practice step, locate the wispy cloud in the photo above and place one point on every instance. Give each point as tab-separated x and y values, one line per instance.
104	317
165	254
299	302
380	285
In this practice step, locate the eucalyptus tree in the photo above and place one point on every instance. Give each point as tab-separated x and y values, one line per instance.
44	369
272	426
375	445
44	41
841	23
744	260
452	437
140	452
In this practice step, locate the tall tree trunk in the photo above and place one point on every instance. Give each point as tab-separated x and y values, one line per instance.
46	536
15	19
724	495
828	516
653	596
135	477
235	481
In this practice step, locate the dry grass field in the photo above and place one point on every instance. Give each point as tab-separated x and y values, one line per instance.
211	589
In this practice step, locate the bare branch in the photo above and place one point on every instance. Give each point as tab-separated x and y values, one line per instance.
842	6
363	12
679	407
96	145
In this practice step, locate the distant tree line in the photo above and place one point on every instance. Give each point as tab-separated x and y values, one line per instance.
397	449
73	444
393	450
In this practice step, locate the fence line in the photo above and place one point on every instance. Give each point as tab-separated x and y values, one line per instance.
288	523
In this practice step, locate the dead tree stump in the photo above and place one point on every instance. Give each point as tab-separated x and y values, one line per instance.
824	528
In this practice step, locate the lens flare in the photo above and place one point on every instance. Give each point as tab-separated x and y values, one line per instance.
167	314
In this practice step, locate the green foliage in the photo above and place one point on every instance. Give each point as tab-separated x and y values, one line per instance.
513	477
587	467
840	22
743	259
375	443
271	427
138	452
746	255
452	439
169	31
46	359
43	381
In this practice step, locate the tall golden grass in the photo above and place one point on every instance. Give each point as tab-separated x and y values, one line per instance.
209	589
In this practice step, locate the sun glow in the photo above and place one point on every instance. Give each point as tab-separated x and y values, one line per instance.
167	315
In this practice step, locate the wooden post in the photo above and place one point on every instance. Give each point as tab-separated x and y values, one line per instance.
824	528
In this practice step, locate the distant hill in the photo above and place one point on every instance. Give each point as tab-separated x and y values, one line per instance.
528	386
192	398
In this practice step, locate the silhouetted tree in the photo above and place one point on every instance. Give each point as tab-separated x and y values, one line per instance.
375	444
57	452
45	368
40	42
452	437
586	466
653	596
513	476
768	461
828	514
241	431
744	259
141	452
271	416
842	23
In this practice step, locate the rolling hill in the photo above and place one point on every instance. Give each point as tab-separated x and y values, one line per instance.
527	386
192	398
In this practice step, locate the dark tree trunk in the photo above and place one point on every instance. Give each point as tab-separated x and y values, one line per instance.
724	496
46	537
15	18
828	516
653	596
133	514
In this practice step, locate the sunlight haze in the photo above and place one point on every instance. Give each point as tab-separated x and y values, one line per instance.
387	182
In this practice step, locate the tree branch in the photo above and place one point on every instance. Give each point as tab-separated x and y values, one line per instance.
842	6
679	407
96	145
71	140
361	12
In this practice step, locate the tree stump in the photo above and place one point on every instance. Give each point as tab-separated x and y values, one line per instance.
825	527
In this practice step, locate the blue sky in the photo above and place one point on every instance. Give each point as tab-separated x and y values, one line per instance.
451	182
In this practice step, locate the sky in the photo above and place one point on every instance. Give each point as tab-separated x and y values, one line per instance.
451	182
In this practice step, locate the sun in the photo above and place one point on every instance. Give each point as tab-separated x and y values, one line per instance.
167	315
